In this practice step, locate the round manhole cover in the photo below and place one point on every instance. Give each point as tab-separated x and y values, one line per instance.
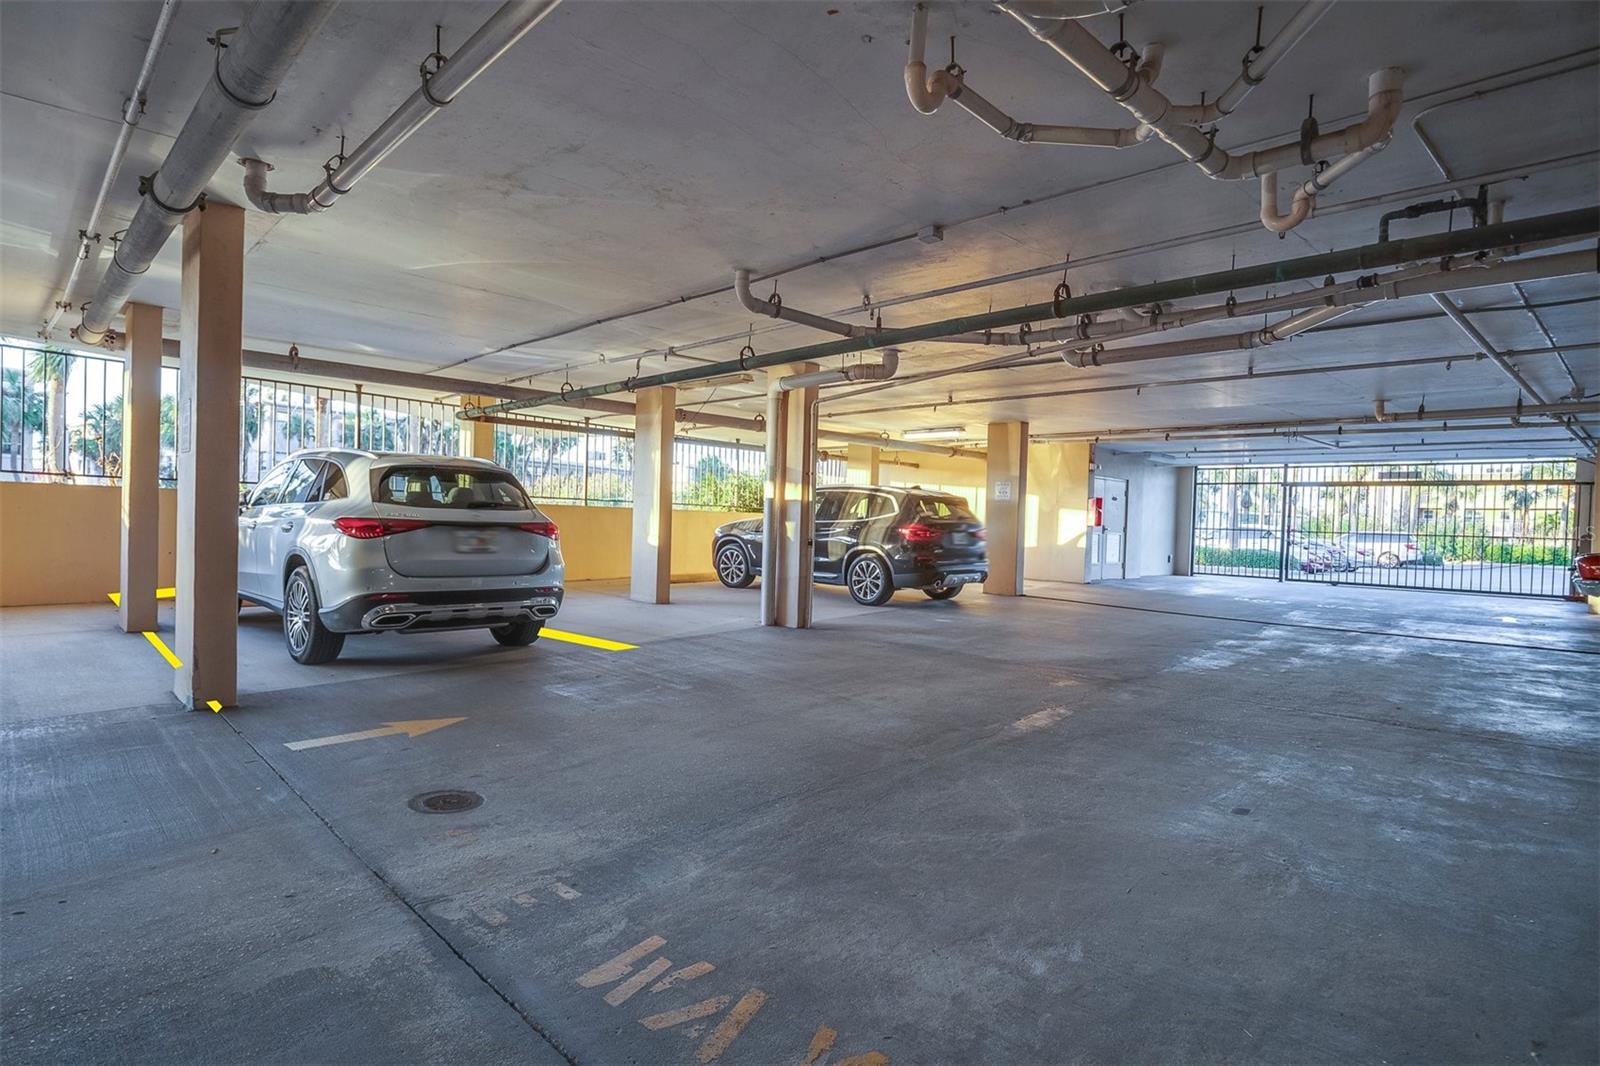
447	801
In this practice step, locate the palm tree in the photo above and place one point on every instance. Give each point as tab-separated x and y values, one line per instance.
99	438
52	367
21	413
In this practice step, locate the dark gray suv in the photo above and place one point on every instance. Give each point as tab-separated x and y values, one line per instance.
873	540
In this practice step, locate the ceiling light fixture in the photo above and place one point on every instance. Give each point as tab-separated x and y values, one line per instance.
941	433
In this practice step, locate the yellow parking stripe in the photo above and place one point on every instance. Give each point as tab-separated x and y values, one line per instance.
588	641
166	652
161	594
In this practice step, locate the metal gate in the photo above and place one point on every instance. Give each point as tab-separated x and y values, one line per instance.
1502	527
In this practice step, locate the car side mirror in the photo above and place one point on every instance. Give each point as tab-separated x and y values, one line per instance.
244	500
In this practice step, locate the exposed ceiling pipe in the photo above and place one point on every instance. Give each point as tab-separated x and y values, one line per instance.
1162	321
1151	107
926	93
1257	64
1250	374
854	372
980	108
1583	222
1378	290
1472	332
1237	342
1519	412
243	82
1495	356
1398	284
1499	175
773	308
1305	197
132	112
493	39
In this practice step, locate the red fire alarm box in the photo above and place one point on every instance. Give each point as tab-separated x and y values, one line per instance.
1094	515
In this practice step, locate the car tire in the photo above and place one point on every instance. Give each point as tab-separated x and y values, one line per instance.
948	593
518	634
733	567
869	581
309	641
1389	561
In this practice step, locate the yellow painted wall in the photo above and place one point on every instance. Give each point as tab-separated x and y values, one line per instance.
1055	536
61	543
958	475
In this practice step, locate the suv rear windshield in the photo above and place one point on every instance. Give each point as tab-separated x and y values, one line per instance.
444	486
944	507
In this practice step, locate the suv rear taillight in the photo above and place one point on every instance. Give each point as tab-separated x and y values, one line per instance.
374	528
917	533
1411	546
1589	567
543	529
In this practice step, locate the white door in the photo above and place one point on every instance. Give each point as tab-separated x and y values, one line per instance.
1108	540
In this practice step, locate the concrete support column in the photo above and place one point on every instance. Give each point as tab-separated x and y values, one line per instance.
1006	507
206	638
477	438
1183	524
655	417
789	520
141	469
861	464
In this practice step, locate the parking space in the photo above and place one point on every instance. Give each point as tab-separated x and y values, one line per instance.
991	839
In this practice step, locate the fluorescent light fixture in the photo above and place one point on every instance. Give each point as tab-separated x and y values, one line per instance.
940	433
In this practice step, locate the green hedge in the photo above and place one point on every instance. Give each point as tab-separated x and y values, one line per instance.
1251	558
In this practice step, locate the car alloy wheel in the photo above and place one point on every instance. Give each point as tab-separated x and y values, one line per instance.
868	581
297	614
1388	560
732	567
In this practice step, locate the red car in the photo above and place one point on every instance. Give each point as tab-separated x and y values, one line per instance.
1586	574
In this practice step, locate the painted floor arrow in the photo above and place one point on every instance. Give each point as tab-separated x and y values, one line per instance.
390	729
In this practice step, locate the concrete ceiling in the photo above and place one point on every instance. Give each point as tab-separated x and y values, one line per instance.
629	154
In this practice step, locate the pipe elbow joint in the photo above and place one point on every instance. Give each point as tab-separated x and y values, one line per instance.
925	93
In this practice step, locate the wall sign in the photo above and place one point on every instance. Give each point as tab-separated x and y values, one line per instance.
1002	490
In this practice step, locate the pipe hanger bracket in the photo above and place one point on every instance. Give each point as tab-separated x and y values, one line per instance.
147	188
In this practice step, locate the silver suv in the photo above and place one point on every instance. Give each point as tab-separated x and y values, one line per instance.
343	542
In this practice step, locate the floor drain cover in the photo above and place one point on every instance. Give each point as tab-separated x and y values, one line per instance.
449	801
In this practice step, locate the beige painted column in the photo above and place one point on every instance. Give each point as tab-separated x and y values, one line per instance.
654	418
1005	507
1183	524
141	469
477	438
789	520
861	464
1589	539
211	336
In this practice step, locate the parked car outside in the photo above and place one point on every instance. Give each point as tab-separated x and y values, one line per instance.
1586	575
873	540
1320	557
341	542
1388	550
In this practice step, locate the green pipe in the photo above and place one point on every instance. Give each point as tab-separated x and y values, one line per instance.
1584	222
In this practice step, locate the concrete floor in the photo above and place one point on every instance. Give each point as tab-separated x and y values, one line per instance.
1171	820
